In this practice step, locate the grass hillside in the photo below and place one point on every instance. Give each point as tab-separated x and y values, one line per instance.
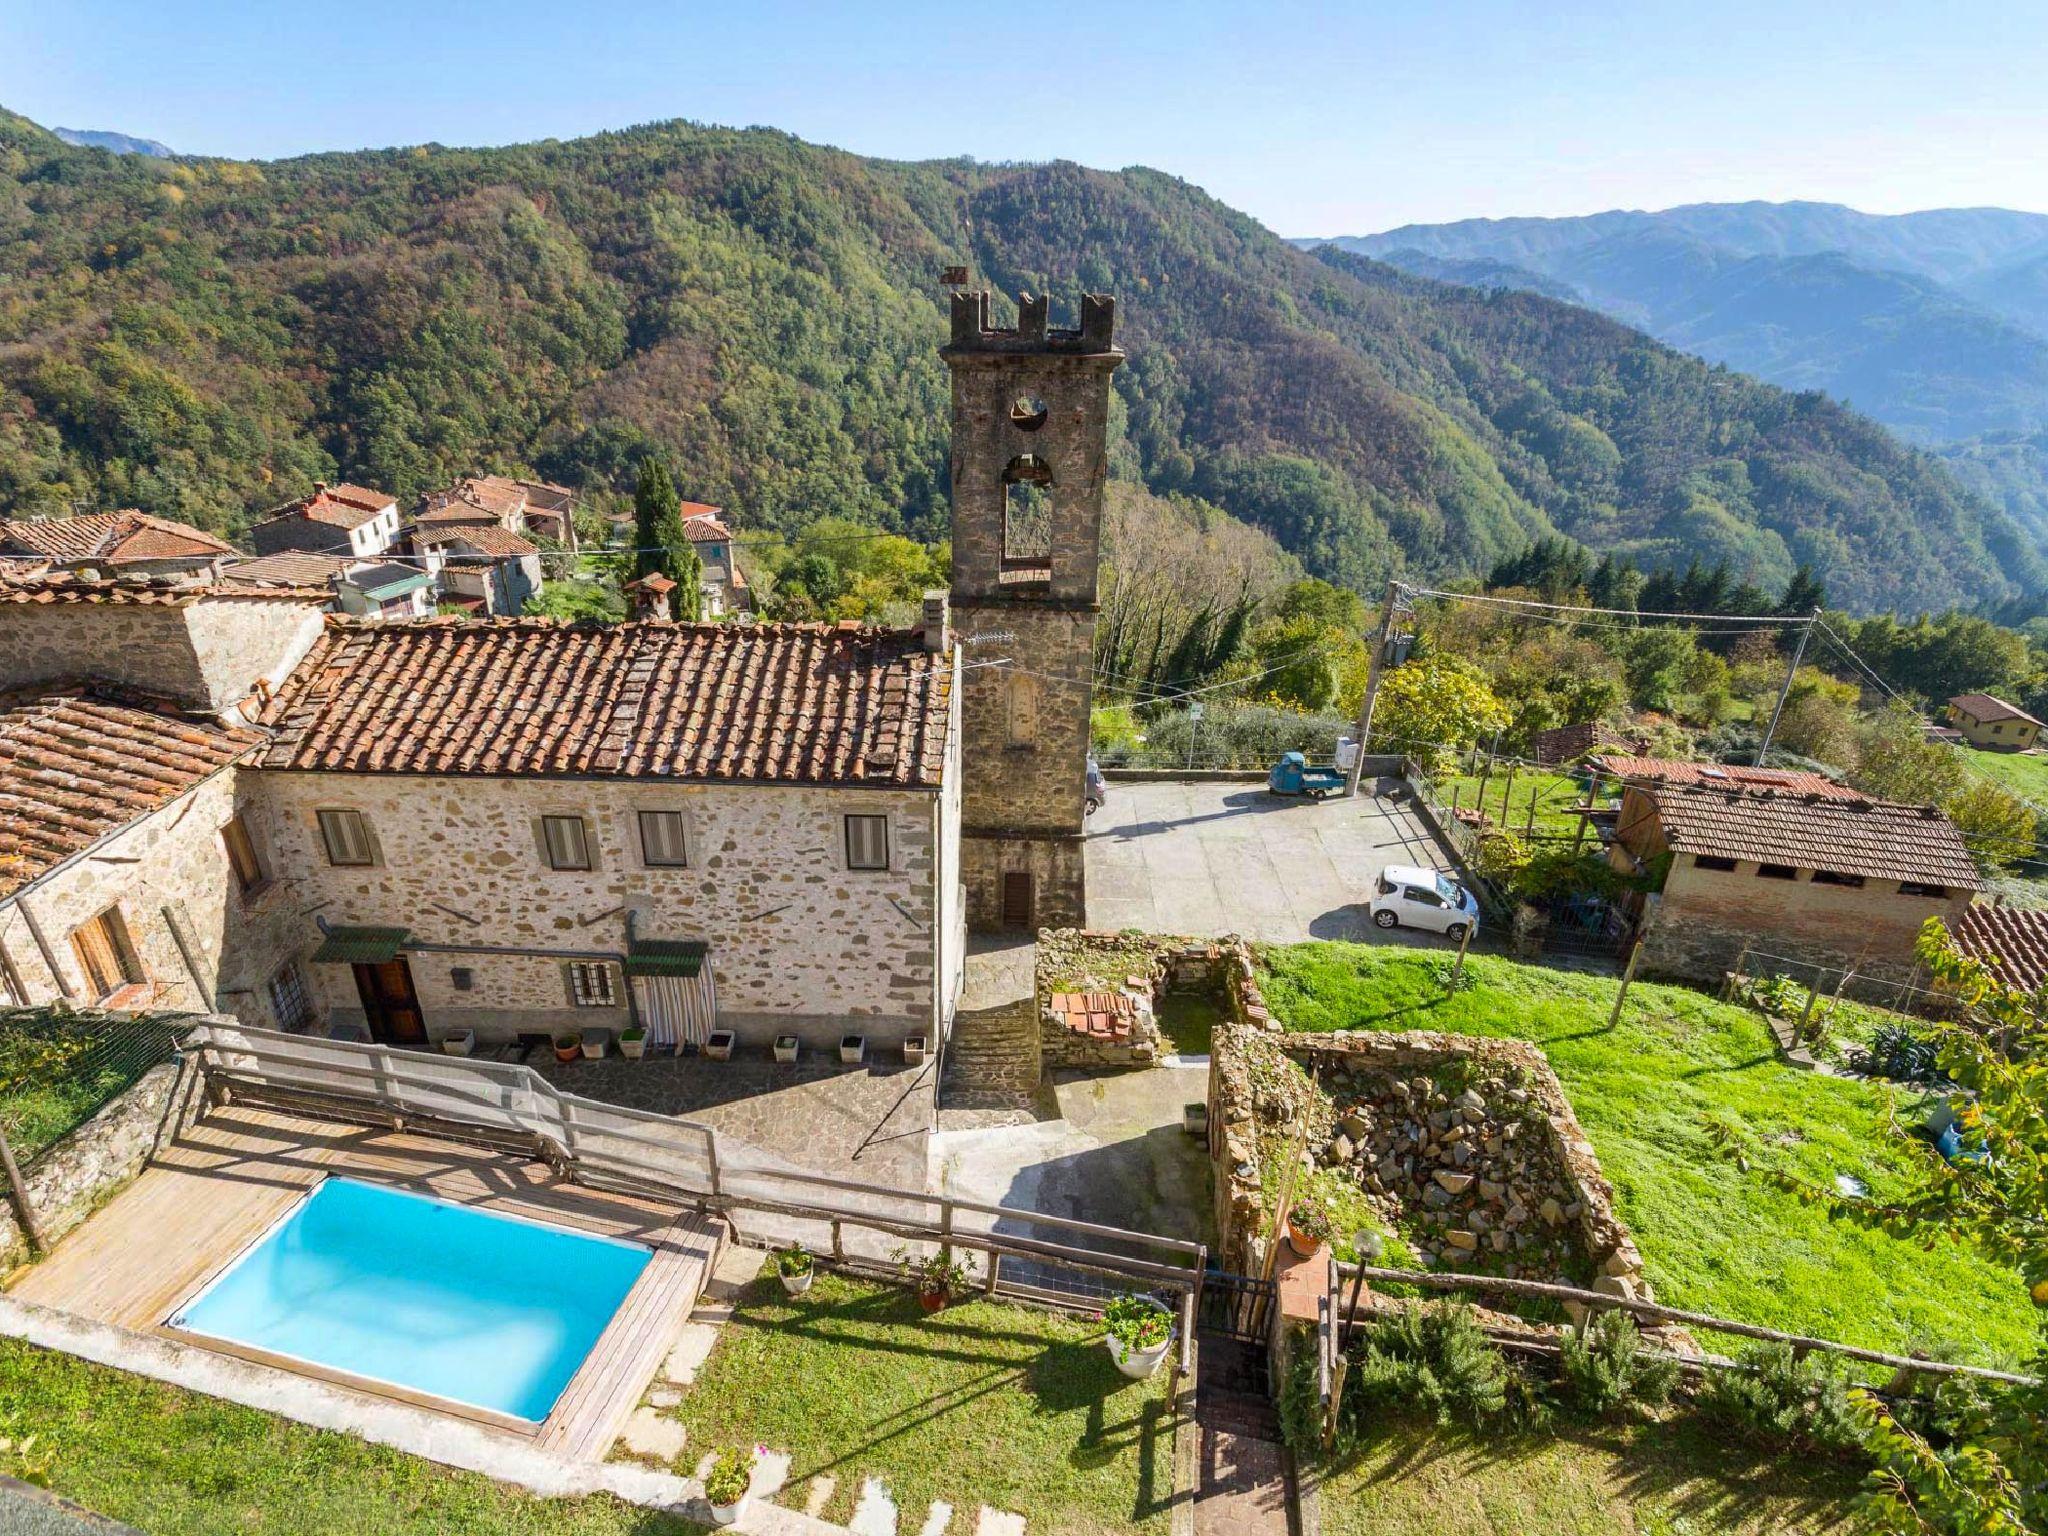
203	337
1715	1238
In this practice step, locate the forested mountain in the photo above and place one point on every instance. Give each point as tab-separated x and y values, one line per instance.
113	143
202	338
1935	323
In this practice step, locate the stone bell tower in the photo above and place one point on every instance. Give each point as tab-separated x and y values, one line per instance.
1030	455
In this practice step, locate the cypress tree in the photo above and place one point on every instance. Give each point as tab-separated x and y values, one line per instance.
660	543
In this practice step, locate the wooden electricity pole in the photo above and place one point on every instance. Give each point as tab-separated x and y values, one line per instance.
1784	693
1374	668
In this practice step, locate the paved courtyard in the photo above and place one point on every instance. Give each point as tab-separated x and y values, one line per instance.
1211	859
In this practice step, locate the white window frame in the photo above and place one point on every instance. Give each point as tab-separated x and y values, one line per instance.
592	983
868	821
682	836
345	817
583	843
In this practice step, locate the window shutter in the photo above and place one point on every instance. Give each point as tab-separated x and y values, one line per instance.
661	838
568	845
867	842
347	837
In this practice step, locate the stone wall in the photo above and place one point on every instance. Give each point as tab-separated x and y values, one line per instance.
1393	1122
168	875
206	652
798	942
76	1175
1153	965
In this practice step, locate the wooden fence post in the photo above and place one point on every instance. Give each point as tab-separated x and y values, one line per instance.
30	1225
1458	970
1635	953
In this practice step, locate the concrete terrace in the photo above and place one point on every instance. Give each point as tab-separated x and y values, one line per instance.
1208	859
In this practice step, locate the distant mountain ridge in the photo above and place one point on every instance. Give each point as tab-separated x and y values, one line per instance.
766	316
1935	323
117	143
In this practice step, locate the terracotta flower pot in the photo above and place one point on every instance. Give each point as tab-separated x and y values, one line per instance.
1302	1243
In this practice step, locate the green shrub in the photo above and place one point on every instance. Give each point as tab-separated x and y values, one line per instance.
1434	1358
1784	1403
1606	1373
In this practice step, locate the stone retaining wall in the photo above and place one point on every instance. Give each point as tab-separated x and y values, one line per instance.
76	1175
1096	960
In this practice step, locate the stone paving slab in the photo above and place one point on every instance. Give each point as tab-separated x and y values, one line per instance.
1219	858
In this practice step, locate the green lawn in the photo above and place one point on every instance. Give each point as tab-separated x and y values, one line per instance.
1673	1479
979	1404
177	1464
1188	1021
1554	794
2024	773
1714	1238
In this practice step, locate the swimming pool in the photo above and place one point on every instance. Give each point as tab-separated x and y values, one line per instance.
490	1311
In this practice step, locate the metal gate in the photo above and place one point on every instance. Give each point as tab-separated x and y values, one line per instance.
1235	1307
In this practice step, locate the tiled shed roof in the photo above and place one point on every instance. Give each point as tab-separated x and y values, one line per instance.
1668	770
81	760
1847	836
2018	936
488	538
787	703
287	568
1985	708
113	537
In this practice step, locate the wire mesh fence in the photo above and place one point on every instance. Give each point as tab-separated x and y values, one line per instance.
60	1067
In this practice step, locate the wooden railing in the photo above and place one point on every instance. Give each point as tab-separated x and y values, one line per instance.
633	1151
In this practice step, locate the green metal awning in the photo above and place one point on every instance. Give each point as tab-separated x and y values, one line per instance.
665	957
361	946
400	587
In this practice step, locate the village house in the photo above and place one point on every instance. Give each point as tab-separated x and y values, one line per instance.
480	567
366	588
1627	768
222	797
330	520
1991	722
1820	878
725	585
518	506
128	542
133	872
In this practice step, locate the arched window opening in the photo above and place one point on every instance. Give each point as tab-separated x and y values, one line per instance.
1028	413
1027	520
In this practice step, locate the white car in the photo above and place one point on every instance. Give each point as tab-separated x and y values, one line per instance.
1409	897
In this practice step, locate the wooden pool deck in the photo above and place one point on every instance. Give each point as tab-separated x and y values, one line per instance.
230	1176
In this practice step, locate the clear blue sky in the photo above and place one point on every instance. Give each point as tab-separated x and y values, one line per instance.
1318	120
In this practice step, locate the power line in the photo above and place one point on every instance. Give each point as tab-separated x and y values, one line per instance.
1781	620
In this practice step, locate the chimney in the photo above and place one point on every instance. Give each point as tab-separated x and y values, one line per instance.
935	625
649	596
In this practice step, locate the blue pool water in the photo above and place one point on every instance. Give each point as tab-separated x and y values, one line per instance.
486	1310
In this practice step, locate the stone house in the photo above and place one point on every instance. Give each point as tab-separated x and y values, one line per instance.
479	567
522	827
222	797
725	585
330	520
1821	879
366	588
128	543
518	506
133	871
1985	721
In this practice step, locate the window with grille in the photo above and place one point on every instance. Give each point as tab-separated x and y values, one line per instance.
289	1000
661	839
347	837
591	984
867	842
242	856
106	955
567	841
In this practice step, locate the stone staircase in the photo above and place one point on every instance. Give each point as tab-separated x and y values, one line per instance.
992	1061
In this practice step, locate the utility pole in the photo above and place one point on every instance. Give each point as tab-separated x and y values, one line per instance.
1375	667
1777	709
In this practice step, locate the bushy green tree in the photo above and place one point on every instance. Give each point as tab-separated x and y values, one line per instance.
1434	707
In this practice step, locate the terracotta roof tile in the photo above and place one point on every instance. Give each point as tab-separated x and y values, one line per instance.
704	527
1667	770
287	568
1874	838
112	537
333	506
486	538
163	592
2017	936
81	760
788	703
1985	708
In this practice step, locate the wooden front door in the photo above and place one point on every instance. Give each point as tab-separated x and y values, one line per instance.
390	1004
1017	899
